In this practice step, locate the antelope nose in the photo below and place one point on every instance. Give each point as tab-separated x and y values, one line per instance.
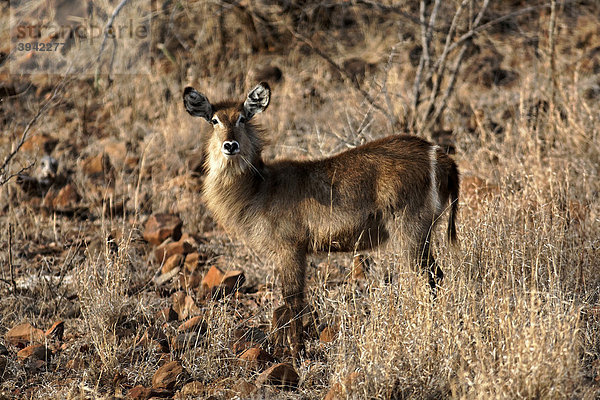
231	147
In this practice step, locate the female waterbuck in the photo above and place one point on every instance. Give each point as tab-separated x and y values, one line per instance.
348	202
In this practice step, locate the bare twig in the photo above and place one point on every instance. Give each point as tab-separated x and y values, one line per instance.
426	121
424	61
107	28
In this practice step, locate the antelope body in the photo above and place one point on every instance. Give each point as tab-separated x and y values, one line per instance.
352	201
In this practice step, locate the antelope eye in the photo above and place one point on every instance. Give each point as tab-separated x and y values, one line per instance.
241	120
214	121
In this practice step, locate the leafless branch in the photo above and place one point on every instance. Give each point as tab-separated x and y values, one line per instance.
107	28
434	108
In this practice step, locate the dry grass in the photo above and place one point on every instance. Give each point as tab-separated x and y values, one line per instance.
517	315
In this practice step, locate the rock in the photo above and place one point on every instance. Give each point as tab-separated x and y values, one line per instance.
360	266
252	334
176	260
40	144
184	305
193	260
217	283
328	334
281	375
35	352
167	249
232	281
212	278
343	390
357	68
194	324
140	392
256	357
66	198
168	376
24	334
167	314
56	331
160	227
97	166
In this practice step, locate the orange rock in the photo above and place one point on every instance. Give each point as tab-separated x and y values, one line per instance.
56	331
24	334
233	280
184	305
140	392
360	266
168	376
281	375
66	198
255	356
97	165
167	249
160	227
172	262
35	352
213	278
328	334
192	261
194	324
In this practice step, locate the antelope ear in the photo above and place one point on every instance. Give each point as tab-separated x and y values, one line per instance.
197	104
257	100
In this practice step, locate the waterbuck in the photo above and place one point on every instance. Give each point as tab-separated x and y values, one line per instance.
349	202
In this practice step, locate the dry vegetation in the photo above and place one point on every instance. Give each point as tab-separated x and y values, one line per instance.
518	314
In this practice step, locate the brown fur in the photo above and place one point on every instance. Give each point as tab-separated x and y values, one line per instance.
352	201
